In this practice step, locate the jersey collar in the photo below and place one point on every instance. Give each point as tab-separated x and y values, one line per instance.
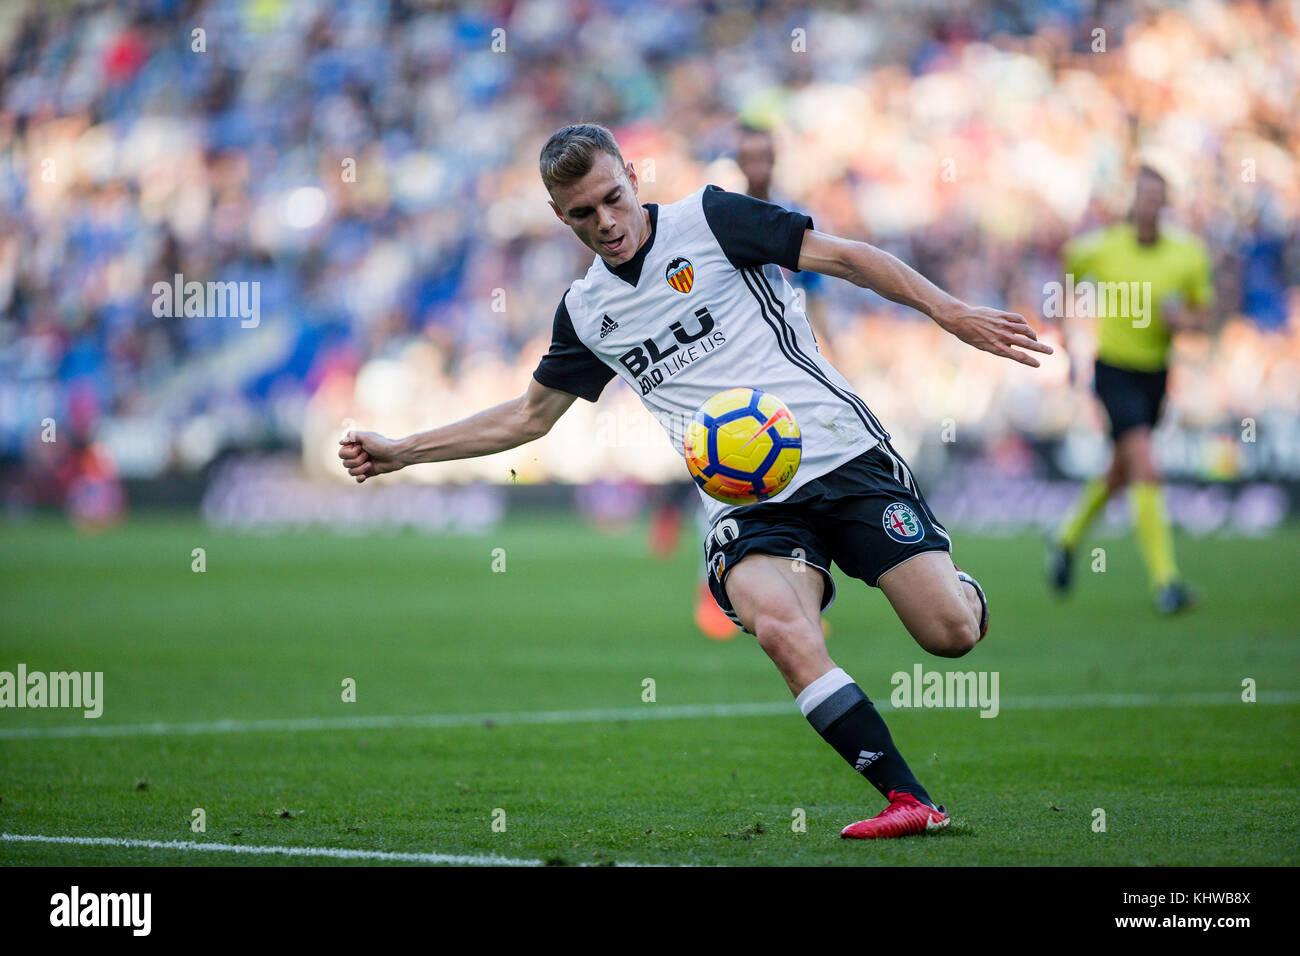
630	271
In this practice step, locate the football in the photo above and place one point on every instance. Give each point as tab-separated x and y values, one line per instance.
743	446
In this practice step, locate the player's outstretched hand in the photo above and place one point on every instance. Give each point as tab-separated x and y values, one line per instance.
992	330
367	454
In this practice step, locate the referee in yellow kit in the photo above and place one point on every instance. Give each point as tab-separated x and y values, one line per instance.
1131	371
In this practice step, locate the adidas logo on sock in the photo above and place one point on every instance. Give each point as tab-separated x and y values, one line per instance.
607	325
866	759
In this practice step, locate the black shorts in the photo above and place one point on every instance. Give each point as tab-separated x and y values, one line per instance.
867	516
1132	398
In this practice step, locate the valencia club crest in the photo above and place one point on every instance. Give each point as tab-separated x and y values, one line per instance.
680	274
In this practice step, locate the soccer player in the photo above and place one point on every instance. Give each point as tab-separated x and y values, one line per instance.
1130	375
686	299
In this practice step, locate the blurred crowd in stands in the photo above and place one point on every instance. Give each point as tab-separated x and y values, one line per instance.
373	167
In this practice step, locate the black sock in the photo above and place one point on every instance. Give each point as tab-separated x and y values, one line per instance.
850	723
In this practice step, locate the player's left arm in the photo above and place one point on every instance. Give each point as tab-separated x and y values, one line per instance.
992	330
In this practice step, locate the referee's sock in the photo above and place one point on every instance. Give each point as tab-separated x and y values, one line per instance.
1090	501
1154	538
839	711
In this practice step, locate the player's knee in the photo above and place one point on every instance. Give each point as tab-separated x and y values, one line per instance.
786	637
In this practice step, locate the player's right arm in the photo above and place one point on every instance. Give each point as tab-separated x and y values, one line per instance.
523	419
990	330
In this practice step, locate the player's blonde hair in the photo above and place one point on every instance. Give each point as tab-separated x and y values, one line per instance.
571	152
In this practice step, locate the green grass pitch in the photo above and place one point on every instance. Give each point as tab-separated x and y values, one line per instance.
578	621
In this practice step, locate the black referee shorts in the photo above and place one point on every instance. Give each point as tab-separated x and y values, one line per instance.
867	516
1132	398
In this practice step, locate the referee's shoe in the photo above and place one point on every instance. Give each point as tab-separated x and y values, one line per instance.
1175	597
1059	562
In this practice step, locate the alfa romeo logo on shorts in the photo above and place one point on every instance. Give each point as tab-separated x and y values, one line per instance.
902	524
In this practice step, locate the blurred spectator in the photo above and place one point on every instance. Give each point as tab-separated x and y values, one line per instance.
372	167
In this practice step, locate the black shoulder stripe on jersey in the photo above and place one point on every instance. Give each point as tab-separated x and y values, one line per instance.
778	308
790	351
773	313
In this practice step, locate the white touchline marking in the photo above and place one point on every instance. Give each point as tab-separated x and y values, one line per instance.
398	721
336	853
647	712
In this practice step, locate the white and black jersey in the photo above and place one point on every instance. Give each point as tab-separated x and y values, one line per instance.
703	307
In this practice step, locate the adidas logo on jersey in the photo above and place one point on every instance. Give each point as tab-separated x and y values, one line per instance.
865	759
607	325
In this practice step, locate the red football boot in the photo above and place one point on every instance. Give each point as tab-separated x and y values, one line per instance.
904	816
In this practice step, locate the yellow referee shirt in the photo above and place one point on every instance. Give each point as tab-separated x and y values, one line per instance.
1176	266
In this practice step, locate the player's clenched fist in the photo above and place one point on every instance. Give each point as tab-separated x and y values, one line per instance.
367	454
